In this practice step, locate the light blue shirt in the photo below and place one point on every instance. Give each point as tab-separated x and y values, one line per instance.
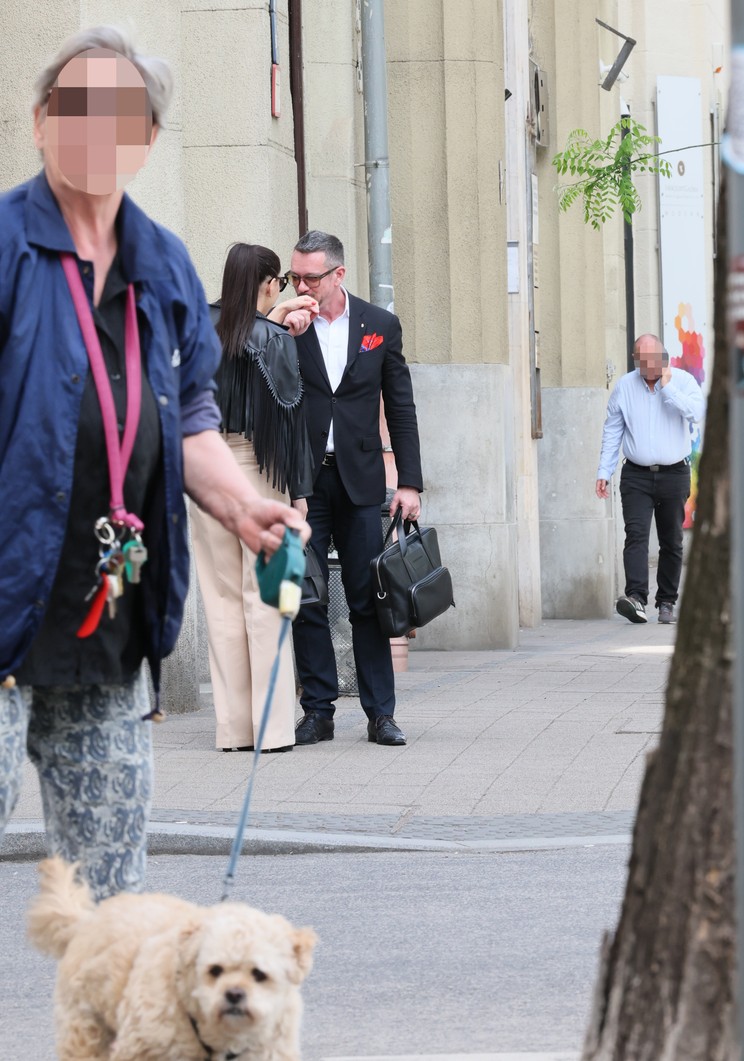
653	427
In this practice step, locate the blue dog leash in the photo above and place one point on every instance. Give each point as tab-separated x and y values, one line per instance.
280	586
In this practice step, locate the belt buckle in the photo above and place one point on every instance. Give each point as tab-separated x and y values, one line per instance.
329	459
654	467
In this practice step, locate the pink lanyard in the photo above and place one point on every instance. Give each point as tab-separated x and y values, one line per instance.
118	455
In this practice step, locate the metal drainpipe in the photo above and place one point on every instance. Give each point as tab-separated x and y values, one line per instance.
376	164
629	274
298	108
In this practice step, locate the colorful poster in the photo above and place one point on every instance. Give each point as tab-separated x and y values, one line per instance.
686	261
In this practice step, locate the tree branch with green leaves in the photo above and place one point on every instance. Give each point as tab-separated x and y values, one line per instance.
606	168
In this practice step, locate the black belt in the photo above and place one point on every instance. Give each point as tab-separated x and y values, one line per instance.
329	460
658	467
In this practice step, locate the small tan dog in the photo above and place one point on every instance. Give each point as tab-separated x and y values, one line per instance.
154	978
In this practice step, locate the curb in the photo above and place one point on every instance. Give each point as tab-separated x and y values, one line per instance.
26	841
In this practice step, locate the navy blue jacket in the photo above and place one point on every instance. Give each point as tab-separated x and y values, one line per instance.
43	366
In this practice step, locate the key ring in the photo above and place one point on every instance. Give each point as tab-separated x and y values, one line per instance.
104	531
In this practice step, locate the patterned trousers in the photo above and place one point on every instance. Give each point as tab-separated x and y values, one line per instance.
93	754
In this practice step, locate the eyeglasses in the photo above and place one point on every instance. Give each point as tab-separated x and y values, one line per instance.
283	281
310	279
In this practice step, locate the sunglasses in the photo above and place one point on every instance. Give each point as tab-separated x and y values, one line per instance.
311	279
283	281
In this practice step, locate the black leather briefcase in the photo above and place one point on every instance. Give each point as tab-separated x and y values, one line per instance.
411	585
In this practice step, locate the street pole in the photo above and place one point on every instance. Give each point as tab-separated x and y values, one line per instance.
733	157
629	277
376	161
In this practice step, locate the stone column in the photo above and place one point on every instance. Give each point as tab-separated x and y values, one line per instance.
446	90
581	309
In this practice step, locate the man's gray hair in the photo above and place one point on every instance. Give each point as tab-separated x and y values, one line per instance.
156	73
331	246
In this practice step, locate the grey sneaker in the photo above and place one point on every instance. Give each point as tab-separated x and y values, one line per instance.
666	612
631	608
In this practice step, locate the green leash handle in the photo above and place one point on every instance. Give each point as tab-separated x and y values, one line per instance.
280	577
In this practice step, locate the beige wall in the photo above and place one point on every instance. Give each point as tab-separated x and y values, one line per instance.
685	48
223	169
447	145
446	91
26	41
334	130
575	298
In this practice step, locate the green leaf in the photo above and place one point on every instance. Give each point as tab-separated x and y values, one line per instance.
606	169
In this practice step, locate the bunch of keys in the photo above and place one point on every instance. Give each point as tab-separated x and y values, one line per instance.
115	562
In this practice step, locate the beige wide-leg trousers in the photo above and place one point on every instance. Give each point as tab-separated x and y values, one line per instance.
243	632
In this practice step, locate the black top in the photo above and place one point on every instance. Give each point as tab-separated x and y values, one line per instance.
260	395
115	651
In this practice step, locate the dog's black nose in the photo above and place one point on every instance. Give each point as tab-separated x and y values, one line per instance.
235	996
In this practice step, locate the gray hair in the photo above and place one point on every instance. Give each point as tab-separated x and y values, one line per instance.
156	73
331	246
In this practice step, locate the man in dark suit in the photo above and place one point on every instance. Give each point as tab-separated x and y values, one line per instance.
350	356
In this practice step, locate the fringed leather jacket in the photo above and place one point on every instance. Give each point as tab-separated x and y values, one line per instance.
260	395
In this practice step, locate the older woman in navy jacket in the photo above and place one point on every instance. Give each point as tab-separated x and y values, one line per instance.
104	334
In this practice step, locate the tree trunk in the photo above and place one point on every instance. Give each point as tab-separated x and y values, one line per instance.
666	982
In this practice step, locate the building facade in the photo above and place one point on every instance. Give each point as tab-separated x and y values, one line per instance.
514	317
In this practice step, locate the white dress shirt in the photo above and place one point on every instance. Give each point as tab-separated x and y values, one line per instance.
653	427
333	337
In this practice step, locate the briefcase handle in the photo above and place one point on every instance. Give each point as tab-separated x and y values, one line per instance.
404	527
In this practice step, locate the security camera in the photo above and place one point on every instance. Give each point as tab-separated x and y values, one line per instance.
605	68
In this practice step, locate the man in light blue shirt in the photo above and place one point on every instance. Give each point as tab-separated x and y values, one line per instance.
649	415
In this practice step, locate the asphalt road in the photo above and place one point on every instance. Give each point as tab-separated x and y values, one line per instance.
419	953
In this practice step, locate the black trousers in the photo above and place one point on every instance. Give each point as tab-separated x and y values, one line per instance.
661	495
357	533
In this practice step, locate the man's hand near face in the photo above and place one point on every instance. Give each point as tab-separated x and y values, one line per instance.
666	375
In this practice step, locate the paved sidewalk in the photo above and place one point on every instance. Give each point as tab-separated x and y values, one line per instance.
507	750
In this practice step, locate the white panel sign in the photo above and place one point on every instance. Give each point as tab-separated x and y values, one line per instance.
686	258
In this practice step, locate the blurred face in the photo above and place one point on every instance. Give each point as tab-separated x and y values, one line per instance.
96	128
648	355
309	275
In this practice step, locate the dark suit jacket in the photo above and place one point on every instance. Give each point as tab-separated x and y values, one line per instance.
355	406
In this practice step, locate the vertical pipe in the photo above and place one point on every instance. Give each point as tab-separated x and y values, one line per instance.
298	108
733	152
629	277
376	164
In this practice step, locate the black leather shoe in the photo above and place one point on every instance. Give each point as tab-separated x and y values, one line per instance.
312	728
383	730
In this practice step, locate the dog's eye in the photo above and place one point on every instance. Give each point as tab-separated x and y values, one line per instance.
215	971
258	975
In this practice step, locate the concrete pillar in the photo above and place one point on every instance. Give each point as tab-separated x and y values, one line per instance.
28	39
334	129
239	172
446	91
581	310
522	246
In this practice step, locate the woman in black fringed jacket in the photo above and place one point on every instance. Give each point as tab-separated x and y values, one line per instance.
260	397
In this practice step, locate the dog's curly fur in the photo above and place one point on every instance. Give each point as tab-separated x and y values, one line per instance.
135	970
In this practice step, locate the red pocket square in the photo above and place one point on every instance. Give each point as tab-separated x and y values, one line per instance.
369	342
